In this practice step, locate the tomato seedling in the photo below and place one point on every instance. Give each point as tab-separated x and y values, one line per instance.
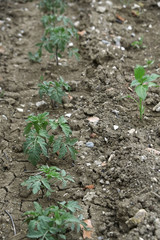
142	83
41	138
52	6
46	178
54	221
55	90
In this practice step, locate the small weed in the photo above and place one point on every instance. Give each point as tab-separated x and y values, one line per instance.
142	83
148	63
41	138
50	176
1	93
138	44
126	2
54	221
55	90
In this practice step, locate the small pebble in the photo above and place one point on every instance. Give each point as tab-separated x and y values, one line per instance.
68	115
90	144
129	28
41	103
20	109
115	127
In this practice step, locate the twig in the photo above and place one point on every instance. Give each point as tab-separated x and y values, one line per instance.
13	225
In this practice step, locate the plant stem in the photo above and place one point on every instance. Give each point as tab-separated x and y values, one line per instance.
141	108
57	55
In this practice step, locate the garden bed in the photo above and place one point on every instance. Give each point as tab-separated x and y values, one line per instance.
117	170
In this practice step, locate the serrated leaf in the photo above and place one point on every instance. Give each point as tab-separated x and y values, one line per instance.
62	151
73	152
38	207
57	145
53	124
43	146
66	129
43	133
46	184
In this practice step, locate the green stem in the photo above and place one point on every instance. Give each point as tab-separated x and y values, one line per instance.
57	55
141	108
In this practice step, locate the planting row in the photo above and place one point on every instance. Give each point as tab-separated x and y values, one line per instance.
46	137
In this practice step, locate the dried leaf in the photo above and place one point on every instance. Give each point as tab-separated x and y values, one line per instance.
120	19
82	33
87	234
89	186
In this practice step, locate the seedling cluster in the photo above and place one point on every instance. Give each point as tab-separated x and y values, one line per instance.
47	138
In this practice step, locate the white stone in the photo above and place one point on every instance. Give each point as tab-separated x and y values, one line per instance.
136	6
131	131
4	116
68	115
158	4
76	24
41	103
115	127
129	28
20	109
101	9
70	44
157	108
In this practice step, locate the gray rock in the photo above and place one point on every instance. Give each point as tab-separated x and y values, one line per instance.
101	9
90	144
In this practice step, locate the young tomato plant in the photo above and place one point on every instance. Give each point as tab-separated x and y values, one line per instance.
46	178
55	41
42	140
52	20
54	221
142	83
55	90
52	6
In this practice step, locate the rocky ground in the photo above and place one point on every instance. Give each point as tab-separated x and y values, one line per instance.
118	154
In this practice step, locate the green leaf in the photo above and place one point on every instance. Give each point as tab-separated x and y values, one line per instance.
62	151
134	83
57	145
38	207
152	77
43	145
139	72
43	133
141	91
46	184
66	129
53	124
73	152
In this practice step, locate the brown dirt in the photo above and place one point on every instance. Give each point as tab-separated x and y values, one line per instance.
123	166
